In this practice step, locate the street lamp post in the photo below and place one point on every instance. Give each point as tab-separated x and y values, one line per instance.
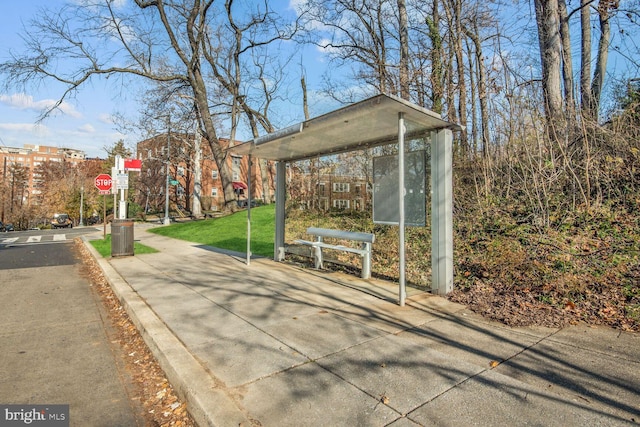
167	220
81	204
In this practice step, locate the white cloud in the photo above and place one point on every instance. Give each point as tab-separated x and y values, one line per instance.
22	101
87	128
25	127
106	118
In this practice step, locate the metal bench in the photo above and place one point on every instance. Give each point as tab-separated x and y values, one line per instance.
364	251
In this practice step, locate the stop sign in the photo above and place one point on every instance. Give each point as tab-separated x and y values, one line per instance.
103	182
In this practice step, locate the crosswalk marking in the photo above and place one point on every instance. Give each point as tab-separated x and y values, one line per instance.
26	240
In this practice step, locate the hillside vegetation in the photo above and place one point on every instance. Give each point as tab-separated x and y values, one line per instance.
546	232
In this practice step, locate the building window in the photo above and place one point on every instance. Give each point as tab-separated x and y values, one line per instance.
180	170
340	187
236	168
214	192
180	190
214	174
341	204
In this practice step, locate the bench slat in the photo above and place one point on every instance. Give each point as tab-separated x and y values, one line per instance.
336	247
342	234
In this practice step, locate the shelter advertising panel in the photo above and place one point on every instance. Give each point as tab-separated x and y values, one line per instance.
385	189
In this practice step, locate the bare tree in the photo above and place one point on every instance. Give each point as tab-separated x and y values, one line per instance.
157	40
356	34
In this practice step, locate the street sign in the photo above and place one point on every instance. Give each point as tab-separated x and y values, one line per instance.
103	183
122	181
133	165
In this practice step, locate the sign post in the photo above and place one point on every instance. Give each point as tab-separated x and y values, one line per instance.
103	183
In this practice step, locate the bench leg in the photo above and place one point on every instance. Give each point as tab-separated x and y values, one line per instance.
317	255
366	262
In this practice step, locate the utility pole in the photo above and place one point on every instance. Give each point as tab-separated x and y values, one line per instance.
167	220
196	206
81	204
4	178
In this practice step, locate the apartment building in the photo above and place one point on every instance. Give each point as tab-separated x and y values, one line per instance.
28	158
328	191
178	151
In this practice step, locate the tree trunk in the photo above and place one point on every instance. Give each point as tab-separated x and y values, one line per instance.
404	50
437	53
601	60
547	19
585	58
567	60
482	89
196	204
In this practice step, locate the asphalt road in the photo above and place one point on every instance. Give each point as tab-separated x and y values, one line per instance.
55	337
38	248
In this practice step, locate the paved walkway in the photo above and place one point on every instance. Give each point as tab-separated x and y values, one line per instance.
271	344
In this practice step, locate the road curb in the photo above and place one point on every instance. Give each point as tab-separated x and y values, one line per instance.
207	404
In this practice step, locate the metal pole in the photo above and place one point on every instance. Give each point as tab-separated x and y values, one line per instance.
281	188
401	191
4	178
249	212
104	216
81	204
167	221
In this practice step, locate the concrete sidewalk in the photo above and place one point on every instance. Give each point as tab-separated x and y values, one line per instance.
273	345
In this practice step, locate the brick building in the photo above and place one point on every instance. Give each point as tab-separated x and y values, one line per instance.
28	158
152	180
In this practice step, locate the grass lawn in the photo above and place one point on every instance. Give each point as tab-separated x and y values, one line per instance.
229	232
103	246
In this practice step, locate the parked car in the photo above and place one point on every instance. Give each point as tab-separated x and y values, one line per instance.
61	221
243	203
1	226
8	227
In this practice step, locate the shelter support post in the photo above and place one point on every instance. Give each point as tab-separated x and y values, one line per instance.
249	211
442	212
401	194
281	196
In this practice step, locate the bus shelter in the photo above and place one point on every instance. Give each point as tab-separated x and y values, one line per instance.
379	120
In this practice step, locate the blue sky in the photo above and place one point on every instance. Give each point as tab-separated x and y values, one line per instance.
84	123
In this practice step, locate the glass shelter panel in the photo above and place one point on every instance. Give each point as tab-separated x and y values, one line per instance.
385	189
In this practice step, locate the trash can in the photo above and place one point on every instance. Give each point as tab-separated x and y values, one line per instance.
122	237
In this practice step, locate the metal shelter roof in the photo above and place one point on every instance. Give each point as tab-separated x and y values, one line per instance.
371	122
